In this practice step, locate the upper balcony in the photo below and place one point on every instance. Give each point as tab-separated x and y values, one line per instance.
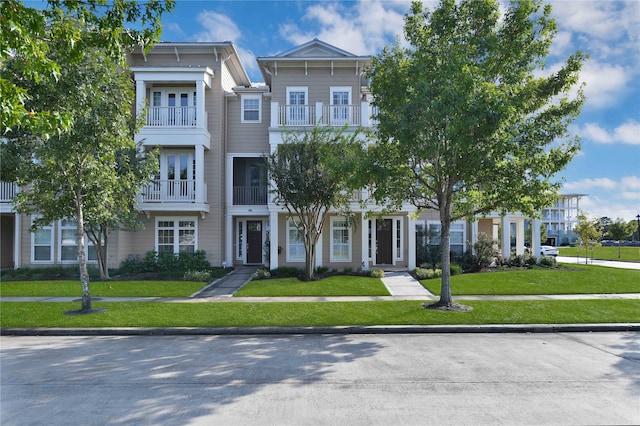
8	191
174	195
322	114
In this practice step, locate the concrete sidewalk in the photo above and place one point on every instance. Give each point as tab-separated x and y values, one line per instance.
597	262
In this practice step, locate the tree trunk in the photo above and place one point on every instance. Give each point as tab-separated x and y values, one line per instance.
82	261
445	258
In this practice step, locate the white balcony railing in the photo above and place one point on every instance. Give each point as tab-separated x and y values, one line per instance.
249	195
322	114
171	191
8	191
178	116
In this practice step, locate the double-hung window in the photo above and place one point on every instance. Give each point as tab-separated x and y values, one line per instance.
297	109
176	234
340	113
251	109
340	240
295	241
42	244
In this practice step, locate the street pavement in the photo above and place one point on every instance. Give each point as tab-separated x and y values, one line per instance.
434	379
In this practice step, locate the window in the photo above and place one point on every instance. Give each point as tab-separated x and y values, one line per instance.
297	105
68	241
42	243
340	105
295	241
456	235
175	235
251	109
340	240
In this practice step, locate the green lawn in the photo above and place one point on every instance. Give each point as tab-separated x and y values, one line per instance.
336	285
43	314
573	279
71	288
627	254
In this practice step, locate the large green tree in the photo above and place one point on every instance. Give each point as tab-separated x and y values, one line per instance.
468	122
618	230
28	33
91	172
311	173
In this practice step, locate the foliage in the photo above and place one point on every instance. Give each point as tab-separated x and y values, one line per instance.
25	37
548	261
261	274
166	261
56	272
427	273
197	276
116	288
286	271
376	273
467	125
620	230
590	232
312	172
521	260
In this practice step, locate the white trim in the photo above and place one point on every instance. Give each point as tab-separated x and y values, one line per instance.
332	257
245	97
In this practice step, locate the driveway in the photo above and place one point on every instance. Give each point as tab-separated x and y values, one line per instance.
542	378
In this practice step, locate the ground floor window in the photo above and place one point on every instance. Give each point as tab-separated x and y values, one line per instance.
176	234
428	239
42	244
295	241
340	240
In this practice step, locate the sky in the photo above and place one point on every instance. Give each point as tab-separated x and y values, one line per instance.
608	166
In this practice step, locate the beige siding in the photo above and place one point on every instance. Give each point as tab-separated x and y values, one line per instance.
318	80
247	137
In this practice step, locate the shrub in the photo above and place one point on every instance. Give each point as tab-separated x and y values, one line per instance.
321	270
197	276
455	269
548	261
261	274
376	273
166	262
427	274
485	249
286	271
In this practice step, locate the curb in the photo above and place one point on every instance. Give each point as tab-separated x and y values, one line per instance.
341	330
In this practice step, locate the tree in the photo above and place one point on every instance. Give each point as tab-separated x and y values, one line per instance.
86	174
26	33
467	125
619	230
313	172
605	222
590	232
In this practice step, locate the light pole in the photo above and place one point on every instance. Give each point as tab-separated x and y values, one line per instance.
638	219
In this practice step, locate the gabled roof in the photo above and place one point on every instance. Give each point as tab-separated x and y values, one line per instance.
315	49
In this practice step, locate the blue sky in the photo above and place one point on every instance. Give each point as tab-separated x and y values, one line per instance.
608	167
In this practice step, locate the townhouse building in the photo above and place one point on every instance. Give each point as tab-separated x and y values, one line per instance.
214	128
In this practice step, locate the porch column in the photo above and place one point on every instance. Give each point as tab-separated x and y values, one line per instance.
520	236
273	238
229	238
364	114
275	114
535	238
141	96
506	234
319	119
411	241
17	240
200	111
364	242
200	184
474	234
229	181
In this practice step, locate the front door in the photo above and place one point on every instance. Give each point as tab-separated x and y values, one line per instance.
384	240
254	241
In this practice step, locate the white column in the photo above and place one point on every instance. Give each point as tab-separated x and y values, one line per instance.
200	184
364	243
520	236
275	113
141	96
506	234
411	242
535	238
17	241
364	114
474	234
273	236
200	111
319	118
229	182
229	238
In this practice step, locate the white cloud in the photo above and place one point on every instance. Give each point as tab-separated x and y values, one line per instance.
627	133
605	83
608	197
585	185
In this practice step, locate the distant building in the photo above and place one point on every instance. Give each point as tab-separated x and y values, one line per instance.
561	219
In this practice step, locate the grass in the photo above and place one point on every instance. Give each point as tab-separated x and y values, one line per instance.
336	285
71	288
627	254
572	279
229	314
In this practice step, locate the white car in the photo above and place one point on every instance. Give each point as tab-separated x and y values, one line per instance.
548	251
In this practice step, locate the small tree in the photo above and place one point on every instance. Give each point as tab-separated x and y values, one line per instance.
590	232
619	230
312	173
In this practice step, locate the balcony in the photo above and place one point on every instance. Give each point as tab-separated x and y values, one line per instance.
177	116
250	195
322	114
8	192
168	195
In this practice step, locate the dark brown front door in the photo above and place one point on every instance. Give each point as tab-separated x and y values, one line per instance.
254	241
384	239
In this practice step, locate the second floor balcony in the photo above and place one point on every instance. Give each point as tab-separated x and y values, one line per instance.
174	194
322	114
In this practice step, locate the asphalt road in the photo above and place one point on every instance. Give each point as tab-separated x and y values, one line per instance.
554	378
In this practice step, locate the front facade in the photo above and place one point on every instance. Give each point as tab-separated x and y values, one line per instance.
214	127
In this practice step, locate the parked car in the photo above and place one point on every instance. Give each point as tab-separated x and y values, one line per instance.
548	251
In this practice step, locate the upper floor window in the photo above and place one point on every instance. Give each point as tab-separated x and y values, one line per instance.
297	109
340	105
251	109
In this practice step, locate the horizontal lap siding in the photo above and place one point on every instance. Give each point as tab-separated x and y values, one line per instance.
318	80
247	137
